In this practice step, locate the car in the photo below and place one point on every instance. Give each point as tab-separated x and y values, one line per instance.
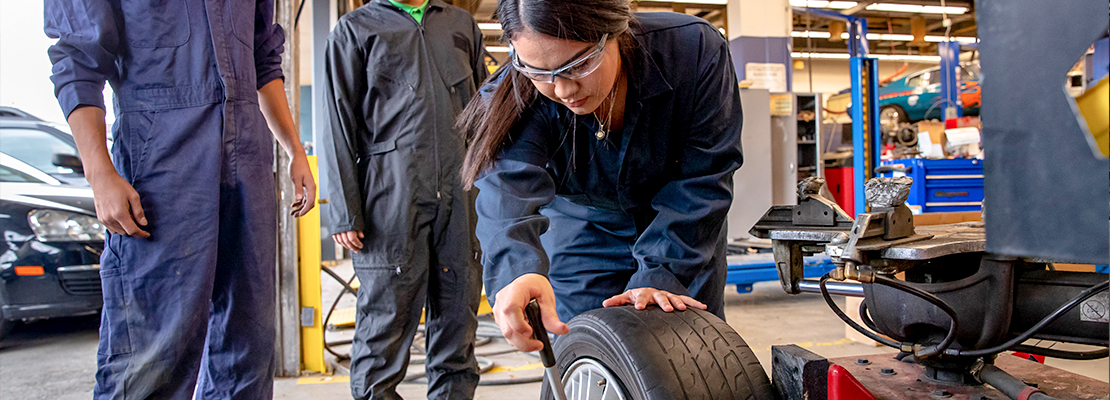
46	146
912	97
916	96
50	254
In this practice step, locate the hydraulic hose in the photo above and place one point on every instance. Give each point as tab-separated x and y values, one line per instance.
1040	325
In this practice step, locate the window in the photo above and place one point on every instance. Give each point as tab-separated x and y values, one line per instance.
11	175
969	72
933	77
35	147
916	80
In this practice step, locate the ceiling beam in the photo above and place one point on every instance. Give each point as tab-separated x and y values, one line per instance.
955	20
862	5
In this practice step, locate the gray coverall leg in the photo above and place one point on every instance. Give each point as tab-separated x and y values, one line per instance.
444	276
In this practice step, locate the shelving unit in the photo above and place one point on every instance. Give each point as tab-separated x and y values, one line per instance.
809	116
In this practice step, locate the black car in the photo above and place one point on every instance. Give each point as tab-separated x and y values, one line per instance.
46	146
50	255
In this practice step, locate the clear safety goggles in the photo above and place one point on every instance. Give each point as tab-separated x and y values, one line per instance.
573	70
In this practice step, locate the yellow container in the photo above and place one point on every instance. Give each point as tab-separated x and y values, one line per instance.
1094	105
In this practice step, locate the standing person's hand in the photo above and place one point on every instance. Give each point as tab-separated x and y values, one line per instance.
641	297
117	205
349	239
508	311
305	185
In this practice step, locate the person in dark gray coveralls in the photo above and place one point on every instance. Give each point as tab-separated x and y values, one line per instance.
397	75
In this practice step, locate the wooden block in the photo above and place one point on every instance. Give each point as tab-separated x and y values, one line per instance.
946	218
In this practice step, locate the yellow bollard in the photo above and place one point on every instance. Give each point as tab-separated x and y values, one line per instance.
308	250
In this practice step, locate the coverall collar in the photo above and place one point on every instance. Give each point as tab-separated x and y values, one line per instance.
648	80
431	4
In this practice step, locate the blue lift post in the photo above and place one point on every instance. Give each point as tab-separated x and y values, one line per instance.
950	80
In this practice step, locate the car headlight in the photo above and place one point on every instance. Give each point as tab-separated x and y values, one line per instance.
62	226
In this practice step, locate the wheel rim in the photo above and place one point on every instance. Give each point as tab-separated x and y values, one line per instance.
889	118
587	379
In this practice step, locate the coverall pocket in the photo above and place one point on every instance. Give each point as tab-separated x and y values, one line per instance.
142	127
460	87
156	23
114	335
242	20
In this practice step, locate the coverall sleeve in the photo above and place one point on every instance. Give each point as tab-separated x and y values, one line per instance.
345	87
510	195
683	236
478	62
269	43
84	55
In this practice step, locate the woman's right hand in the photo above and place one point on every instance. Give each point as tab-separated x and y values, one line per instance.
508	311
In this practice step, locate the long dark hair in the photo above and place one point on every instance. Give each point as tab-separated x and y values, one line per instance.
486	124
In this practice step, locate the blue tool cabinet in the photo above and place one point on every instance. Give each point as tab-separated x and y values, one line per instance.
941	185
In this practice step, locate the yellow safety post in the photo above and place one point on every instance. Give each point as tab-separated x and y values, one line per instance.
308	250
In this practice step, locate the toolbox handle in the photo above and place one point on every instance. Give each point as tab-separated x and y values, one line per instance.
894	168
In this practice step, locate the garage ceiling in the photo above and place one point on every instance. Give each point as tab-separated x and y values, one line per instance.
890	23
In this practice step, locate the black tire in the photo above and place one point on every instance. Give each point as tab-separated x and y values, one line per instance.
657	355
5	325
891	118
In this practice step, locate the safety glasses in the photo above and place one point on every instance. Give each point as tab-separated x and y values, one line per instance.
576	69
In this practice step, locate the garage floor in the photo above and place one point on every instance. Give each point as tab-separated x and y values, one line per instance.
56	359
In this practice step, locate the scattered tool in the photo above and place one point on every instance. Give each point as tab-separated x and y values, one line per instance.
547	356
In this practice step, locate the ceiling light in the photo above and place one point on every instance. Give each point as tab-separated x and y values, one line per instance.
836	5
884	37
489	26
885	57
915	8
497	49
710	2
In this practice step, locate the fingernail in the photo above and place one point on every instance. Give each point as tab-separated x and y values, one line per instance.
143	221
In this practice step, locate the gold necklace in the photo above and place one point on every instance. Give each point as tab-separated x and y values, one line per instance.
601	132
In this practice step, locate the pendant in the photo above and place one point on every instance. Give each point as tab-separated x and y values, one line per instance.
600	134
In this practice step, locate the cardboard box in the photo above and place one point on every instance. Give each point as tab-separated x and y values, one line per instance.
936	139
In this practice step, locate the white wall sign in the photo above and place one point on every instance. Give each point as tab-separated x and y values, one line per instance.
770	76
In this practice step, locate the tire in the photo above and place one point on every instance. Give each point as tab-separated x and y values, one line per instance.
5	325
657	355
891	117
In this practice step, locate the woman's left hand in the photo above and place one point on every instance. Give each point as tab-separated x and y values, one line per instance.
641	297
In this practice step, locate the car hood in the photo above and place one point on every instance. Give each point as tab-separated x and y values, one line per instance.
74	199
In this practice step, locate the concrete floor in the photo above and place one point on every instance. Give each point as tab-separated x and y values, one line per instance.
56	359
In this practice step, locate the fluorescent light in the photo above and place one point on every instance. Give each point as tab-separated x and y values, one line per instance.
489	26
883	37
810	34
885	57
915	8
827	56
711	2
497	49
836	5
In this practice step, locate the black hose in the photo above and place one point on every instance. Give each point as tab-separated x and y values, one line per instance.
346	288
1009	385
953	328
836	309
1040	325
866	316
1064	354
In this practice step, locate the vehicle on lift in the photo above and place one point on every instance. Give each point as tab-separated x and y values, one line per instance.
916	96
46	146
50	259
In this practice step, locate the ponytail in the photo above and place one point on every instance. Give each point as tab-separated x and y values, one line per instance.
486	123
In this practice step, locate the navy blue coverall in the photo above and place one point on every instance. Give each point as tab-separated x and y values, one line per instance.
644	206
391	158
195	301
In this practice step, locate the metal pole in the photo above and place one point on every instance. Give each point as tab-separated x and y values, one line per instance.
288	344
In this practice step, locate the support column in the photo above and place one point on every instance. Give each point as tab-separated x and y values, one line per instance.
759	39
288	345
